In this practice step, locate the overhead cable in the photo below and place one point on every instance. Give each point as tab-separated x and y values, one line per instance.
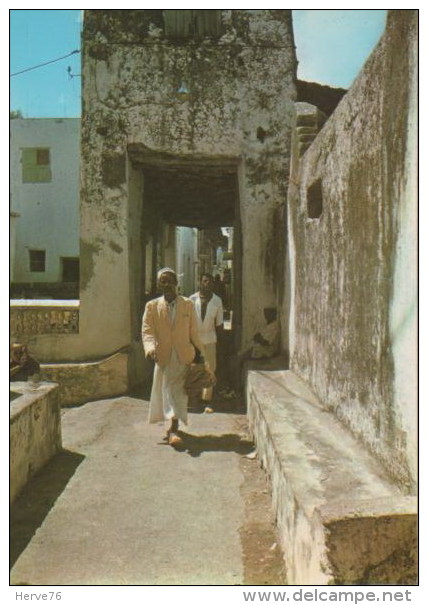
73	52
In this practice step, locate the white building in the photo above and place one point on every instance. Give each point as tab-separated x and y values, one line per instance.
187	259
45	158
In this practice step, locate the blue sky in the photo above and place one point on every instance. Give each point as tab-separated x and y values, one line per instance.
332	45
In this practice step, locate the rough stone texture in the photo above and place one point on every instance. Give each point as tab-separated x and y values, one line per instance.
341	519
354	269
81	382
240	84
35	431
384	539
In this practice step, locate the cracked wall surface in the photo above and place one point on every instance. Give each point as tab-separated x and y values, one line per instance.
353	315
240	84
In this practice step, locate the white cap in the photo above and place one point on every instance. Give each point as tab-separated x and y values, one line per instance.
166	270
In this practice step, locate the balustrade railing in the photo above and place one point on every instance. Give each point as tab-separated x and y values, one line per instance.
43	317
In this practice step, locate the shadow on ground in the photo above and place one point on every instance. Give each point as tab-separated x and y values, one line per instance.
37	498
195	445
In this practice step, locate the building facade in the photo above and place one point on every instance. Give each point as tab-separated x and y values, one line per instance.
45	193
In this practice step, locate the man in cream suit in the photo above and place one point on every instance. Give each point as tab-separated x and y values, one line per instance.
209	311
170	335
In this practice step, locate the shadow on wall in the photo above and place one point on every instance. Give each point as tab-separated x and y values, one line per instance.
37	498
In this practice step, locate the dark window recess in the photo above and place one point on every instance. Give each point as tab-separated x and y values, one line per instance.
70	270
314	199
191	23
43	157
37	261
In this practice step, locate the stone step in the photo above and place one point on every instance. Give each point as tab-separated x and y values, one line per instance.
307	130
330	495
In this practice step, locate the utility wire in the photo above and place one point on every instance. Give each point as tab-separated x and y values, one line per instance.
73	52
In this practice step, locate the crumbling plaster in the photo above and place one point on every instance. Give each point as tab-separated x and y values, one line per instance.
239	86
351	266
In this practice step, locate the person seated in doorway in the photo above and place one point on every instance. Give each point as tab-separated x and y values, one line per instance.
209	313
265	342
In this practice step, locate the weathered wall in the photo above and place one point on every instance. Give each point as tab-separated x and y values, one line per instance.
82	382
241	88
353	315
35	431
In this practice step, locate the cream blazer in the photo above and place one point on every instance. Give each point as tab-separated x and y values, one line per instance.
160	335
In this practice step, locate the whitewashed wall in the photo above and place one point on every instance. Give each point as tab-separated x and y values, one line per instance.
49	212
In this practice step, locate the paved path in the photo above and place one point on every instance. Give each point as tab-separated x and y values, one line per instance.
121	507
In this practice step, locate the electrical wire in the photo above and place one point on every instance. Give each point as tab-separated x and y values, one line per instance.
73	52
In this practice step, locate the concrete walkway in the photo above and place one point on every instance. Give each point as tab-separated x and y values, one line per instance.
121	507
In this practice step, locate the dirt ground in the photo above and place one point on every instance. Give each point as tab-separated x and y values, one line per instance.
262	555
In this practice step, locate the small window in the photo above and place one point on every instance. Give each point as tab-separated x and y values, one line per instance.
37	261
192	23
36	165
314	199
70	270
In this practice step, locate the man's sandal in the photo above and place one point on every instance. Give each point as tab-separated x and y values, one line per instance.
175	440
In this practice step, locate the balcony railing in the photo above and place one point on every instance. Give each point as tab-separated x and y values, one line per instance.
33	317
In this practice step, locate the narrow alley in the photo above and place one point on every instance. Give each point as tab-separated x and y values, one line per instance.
120	507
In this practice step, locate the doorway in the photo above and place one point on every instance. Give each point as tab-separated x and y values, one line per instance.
200	195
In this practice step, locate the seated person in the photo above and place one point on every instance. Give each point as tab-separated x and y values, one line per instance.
22	365
265	342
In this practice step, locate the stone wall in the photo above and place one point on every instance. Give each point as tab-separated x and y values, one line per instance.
239	105
353	233
35	431
82	382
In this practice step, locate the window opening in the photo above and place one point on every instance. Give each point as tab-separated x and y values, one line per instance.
37	261
315	199
70	269
191	23
36	165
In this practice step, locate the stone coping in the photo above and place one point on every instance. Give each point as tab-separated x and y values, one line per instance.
331	496
27	395
324	462
44	302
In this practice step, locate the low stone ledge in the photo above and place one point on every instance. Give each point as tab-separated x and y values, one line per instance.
329	493
89	381
35	431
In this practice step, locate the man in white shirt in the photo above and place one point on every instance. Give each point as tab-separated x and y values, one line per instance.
209	314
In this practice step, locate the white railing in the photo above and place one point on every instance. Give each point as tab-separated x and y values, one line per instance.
33	317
